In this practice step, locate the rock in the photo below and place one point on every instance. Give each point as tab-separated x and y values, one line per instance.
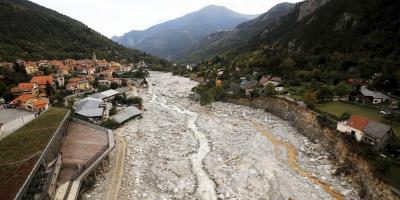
221	196
176	190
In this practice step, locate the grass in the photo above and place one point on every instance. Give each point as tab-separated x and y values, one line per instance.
338	108
392	173
25	142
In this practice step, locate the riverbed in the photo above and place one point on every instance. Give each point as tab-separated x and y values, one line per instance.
180	150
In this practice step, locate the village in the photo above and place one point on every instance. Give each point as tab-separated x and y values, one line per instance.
96	90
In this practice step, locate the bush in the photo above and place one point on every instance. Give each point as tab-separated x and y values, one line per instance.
345	116
110	124
269	89
206	98
310	98
113	111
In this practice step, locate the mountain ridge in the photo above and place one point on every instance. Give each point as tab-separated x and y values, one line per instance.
173	38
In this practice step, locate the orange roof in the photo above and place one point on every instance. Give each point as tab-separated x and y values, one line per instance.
357	122
75	79
40	102
42	80
22	98
25	86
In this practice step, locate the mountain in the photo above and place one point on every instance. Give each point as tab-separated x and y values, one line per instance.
174	38
225	40
30	31
324	42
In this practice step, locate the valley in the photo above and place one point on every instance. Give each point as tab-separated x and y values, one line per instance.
180	150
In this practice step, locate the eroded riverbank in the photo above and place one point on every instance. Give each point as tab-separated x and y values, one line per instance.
180	150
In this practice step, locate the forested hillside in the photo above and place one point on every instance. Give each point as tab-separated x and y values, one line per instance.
326	42
30	31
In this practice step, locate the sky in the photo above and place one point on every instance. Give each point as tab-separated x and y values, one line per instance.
116	17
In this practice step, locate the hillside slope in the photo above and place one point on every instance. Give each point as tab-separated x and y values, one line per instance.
221	41
338	39
30	31
174	38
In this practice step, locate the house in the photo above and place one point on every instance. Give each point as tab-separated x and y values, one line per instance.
21	99
142	64
31	68
245	84
90	107
37	104
105	83
42	81
107	73
7	65
114	80
367	131
78	84
368	96
25	88
264	80
59	79
373	96
31	103
276	79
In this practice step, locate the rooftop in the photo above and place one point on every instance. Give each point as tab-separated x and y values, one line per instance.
126	114
42	80
357	122
376	95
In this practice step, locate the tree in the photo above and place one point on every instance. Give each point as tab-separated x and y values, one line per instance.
325	93
206	98
345	116
49	89
342	89
270	89
114	85
310	98
113	111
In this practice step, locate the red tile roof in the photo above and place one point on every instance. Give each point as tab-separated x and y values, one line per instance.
22	98
25	86
42	80
357	122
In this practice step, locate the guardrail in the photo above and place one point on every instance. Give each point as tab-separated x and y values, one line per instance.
90	162
46	151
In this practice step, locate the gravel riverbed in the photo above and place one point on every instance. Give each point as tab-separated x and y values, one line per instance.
180	150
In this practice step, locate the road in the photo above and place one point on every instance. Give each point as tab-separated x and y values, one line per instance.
180	150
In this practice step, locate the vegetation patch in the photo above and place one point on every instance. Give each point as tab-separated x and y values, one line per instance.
19	151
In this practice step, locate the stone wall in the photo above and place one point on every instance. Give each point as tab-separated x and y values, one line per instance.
307	123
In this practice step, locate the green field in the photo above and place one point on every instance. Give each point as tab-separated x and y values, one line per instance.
25	145
338	108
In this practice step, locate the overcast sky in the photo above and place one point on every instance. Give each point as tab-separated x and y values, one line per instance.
116	17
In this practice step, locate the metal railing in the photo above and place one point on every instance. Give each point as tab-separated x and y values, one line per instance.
90	162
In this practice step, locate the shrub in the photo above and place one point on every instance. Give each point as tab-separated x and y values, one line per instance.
269	89
110	124
310	98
